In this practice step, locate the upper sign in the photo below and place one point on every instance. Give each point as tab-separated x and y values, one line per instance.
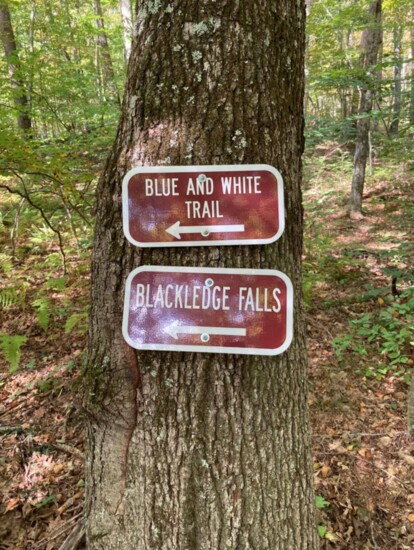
248	311
203	205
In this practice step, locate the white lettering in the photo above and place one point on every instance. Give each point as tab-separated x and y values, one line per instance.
139	301
240	185
149	190
163	188
190	187
278	306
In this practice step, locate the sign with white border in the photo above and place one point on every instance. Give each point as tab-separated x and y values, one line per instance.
166	206
216	310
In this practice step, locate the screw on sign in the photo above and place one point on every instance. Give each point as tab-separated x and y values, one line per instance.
244	311
203	205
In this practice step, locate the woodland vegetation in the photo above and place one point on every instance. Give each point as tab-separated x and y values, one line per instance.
62	75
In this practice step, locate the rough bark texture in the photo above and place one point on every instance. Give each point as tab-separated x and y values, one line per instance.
201	451
10	49
370	45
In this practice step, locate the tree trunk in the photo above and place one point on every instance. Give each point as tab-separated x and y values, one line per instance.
410	411
411	107
195	451
10	49
126	17
396	106
370	44
110	89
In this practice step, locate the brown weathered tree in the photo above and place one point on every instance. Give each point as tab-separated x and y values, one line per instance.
8	41
370	45
201	451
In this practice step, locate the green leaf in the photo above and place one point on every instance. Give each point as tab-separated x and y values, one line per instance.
43	312
77	319
6	264
322	530
45	501
11	346
321	503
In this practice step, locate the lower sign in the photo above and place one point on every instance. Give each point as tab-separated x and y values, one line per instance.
246	311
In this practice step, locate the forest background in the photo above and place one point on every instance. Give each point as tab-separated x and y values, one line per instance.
62	71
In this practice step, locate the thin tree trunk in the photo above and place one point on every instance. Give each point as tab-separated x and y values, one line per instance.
10	49
411	107
108	74
201	451
396	106
410	411
31	50
126	17
378	92
370	44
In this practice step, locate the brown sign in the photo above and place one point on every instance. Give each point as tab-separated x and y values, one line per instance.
203	205
243	311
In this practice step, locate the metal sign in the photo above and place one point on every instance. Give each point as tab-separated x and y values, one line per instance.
203	205
245	311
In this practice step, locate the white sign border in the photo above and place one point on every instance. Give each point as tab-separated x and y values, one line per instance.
202	169
211	349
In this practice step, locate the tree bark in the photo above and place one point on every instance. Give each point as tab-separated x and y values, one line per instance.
396	105
110	90
12	57
410	408
370	45
411	106
201	451
126	18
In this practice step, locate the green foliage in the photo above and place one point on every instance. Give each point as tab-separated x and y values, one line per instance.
42	307
6	264
322	530
388	331
8	297
78	320
321	503
44	502
11	346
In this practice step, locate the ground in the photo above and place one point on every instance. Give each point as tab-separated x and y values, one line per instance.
359	328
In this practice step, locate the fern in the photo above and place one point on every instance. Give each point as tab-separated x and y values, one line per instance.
11	346
76	320
43	312
8	297
56	284
6	264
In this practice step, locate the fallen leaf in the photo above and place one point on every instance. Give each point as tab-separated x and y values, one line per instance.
407	458
12	504
325	470
370	506
58	468
384	441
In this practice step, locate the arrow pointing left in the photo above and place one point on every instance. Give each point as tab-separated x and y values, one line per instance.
176	229
175	329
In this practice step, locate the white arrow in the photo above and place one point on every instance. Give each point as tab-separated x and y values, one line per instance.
176	229
174	329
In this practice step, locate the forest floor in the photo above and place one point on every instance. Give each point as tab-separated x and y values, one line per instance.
363	454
